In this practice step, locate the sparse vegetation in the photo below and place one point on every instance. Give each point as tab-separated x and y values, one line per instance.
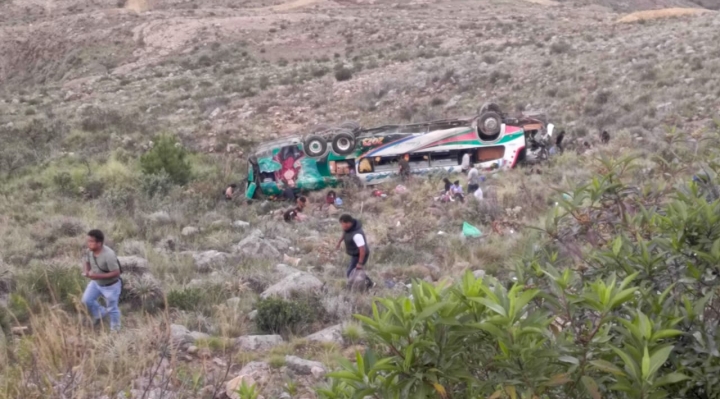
82	99
279	316
168	156
343	73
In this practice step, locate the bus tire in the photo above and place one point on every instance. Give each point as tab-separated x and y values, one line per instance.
314	146
489	123
343	143
490	107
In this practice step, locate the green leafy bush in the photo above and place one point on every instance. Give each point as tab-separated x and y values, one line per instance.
278	316
619	300
169	156
156	184
185	299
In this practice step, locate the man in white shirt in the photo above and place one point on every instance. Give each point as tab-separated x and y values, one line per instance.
465	164
478	194
355	245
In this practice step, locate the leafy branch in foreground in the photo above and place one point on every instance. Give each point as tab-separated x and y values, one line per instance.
630	312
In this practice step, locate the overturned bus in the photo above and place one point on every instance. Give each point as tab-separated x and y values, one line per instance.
330	156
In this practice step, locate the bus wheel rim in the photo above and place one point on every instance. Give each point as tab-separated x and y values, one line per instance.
343	144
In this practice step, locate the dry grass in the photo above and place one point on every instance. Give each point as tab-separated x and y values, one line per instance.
631	81
649	15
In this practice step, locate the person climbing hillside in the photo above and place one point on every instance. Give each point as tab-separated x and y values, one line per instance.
102	267
356	245
404	167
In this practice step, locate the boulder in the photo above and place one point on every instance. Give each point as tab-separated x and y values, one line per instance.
255	245
159	218
240	224
253	373
180	336
207	260
285	270
331	334
258	342
304	367
300	282
189	231
134	264
357	281
218	224
196	336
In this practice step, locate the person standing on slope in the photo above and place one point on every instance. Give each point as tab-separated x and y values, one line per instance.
101	266
356	245
404	167
465	164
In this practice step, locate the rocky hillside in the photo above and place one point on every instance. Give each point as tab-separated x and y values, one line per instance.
223	292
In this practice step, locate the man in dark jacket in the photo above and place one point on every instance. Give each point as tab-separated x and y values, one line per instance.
355	245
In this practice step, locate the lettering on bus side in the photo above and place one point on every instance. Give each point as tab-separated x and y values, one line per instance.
372	141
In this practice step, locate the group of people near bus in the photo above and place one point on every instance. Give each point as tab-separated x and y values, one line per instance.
453	191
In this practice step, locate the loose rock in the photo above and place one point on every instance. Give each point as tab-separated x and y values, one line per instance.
189	231
304	367
159	218
253	373
208	260
331	334
258	342
299	282
241	224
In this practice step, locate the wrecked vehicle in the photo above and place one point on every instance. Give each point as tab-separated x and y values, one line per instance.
330	156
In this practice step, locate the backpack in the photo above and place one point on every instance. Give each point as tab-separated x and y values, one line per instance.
122	283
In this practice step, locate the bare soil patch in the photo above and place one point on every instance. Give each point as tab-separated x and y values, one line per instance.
664	13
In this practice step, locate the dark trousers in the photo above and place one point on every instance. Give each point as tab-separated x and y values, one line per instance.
354	260
472	188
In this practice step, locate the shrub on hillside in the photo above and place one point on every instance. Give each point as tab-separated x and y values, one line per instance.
50	283
169	156
156	184
342	74
185	299
278	316
632	315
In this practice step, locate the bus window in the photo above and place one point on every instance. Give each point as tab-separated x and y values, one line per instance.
444	159
365	166
386	164
341	168
419	160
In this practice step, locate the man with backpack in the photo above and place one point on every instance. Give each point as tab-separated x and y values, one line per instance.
102	267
